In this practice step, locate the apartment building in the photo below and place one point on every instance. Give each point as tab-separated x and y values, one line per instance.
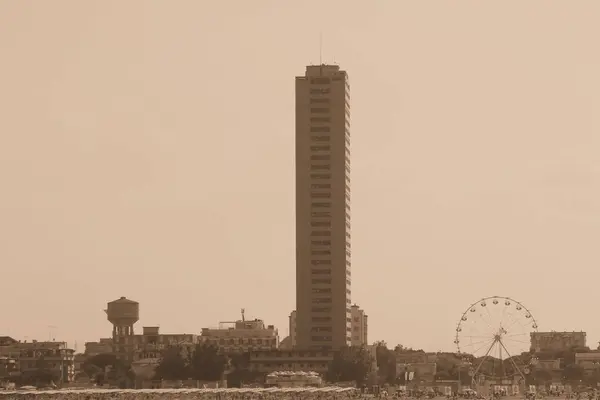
557	341
242	336
35	355
149	344
323	279
360	326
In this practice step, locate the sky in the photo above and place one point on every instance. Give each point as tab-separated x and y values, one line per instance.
147	151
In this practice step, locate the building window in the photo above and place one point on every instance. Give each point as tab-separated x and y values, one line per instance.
321	329
321	205
320	243
319	195
320	138
320	223
321	272
321	291
320	119
320	214
321	100
320	262
321	319
320	81
319	110
321	252
321	309
319	129
319	90
320	167
321	157
320	186
320	233
321	281
320	176
320	338
320	148
322	300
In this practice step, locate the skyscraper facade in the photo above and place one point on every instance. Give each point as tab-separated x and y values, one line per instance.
323	306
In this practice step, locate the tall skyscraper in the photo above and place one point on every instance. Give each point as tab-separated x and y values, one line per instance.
323	313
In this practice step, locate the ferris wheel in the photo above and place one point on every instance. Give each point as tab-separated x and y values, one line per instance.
494	330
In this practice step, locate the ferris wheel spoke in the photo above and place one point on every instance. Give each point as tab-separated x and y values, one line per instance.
479	336
518	334
474	331
503	314
485	345
514	322
479	342
491	318
517	341
512	318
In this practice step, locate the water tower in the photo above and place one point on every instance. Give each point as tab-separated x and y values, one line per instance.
123	314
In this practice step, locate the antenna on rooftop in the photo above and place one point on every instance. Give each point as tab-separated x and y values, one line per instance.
320	48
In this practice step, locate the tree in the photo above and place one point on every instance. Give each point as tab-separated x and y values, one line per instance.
92	371
350	364
172	365
42	374
101	360
386	363
95	366
207	363
240	372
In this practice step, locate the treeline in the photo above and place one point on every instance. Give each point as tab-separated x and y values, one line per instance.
206	363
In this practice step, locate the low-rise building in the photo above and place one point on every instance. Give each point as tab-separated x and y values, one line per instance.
548	365
359	326
590	362
35	355
293	360
242	336
421	366
148	345
151	343
103	346
8	367
557	341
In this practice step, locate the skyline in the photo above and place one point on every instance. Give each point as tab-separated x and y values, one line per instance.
147	151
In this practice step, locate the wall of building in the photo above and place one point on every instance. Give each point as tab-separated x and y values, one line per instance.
557	341
295	360
30	356
243	336
322	208
359	326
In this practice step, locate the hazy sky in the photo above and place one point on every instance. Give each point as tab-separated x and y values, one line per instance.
147	151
